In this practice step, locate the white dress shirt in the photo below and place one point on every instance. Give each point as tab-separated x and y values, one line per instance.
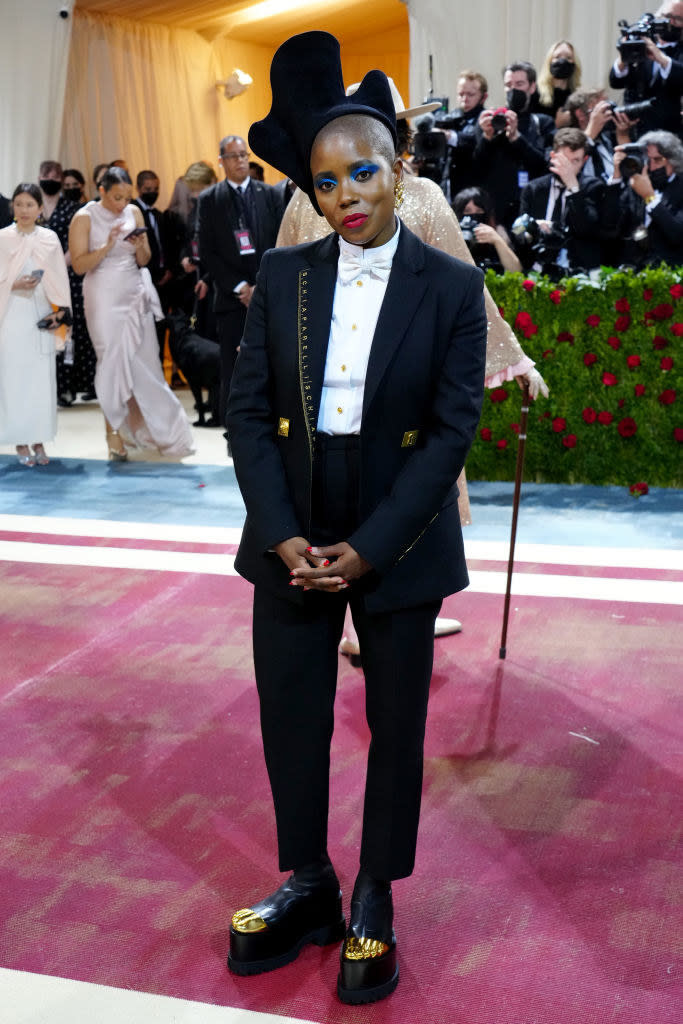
357	302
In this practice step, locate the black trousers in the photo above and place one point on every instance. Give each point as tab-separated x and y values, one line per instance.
296	661
229	329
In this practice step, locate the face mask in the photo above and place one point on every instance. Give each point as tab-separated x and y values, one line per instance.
74	194
658	178
50	186
562	68
149	197
670	34
516	100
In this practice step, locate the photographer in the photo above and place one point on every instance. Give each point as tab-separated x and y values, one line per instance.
646	69
460	127
512	143
648	187
488	242
566	207
604	124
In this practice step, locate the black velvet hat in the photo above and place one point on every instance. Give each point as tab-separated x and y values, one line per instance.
308	92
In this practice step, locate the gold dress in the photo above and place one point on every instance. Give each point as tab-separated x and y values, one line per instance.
425	211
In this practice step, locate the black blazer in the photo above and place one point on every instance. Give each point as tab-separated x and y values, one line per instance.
219	218
581	217
666	113
423	395
664	243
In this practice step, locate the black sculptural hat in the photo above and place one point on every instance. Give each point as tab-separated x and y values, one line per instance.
308	93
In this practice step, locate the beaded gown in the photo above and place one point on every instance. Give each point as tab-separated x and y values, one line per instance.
426	212
120	307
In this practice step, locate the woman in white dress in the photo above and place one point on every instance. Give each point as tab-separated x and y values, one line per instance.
33	276
108	243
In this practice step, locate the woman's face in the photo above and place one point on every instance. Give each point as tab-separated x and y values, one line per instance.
70	182
117	198
26	211
354	186
473	210
564	50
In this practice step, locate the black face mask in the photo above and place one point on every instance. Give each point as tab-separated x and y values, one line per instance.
562	68
671	34
516	100
74	194
50	186
149	197
658	178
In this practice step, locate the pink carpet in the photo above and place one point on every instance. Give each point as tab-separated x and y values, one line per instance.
136	812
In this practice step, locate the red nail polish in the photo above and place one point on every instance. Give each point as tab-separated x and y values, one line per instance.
309	549
326	562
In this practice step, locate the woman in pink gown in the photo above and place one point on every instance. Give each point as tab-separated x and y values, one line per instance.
121	305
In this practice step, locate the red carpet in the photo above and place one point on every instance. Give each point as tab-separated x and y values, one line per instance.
136	813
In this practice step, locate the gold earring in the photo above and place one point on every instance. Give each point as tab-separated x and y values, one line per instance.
399	193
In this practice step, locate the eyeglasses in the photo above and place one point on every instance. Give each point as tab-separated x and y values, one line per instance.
235	156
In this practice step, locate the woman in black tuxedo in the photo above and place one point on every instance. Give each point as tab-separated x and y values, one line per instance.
355	399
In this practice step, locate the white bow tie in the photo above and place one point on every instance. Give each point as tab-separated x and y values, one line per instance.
351	265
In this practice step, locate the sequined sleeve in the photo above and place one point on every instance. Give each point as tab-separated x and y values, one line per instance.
301	223
427	213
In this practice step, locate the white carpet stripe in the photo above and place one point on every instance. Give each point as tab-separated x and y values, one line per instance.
592	588
37	998
567	554
120	529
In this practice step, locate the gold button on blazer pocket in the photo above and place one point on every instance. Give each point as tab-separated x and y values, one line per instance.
410	439
283	427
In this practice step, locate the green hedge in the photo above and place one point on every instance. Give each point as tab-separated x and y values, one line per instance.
610	351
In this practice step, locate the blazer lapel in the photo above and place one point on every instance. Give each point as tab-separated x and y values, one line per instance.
315	301
405	290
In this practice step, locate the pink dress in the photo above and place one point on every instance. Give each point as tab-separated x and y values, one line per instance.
120	308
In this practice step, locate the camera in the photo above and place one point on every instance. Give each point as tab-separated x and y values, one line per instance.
64	11
634	110
430	149
499	121
445	121
543	246
634	160
468	225
631	46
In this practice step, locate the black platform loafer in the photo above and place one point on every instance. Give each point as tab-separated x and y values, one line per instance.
306	908
369	962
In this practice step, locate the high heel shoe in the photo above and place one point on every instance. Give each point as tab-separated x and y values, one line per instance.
118	452
40	455
24	457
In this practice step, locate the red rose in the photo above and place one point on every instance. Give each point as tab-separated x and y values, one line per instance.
548	353
529	331
677	329
566	336
663	311
667	397
678	434
502	443
614	342
621	403
632	362
589	415
556	297
605	418
515	427
627	427
622	322
676	291
622	305
559	424
647	294
501	311
638	489
485	434
498	395
569	441
639	390
523	319
528	285
608	379
659	342
666	363
589	359
593	320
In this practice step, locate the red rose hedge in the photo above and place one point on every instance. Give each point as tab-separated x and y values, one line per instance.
613	415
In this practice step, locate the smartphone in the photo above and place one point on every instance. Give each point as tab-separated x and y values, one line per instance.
37	274
134	233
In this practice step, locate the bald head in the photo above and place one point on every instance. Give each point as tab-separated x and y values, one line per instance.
362	128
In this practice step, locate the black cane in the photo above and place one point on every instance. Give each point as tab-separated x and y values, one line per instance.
515	509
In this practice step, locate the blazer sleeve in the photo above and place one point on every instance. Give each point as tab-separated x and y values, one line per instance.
251	428
214	247
423	485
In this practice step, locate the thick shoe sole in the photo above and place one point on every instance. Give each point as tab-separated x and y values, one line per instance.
366	981
319	937
358	996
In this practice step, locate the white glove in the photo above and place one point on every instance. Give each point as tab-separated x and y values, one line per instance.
536	383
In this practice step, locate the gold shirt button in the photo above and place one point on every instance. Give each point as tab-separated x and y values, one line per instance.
359	284
354	327
339	409
343	367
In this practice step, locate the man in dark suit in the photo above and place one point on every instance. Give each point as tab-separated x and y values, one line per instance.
355	399
567	205
238	221
650	202
5	211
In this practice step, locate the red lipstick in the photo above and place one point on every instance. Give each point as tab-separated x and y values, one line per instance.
355	220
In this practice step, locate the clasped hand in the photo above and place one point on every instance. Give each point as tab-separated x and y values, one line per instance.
330	568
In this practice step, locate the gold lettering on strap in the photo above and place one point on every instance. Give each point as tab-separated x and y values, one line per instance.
283	427
305	378
410	439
